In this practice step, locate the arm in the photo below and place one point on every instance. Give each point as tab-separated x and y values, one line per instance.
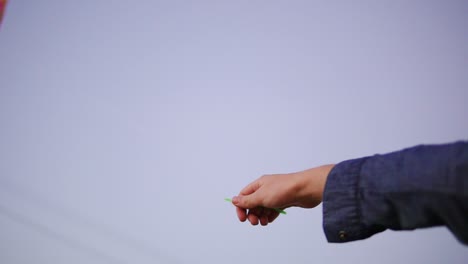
417	187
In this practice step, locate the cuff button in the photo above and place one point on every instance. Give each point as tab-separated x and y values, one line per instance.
342	235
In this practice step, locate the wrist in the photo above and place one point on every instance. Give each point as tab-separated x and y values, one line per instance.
311	185
322	178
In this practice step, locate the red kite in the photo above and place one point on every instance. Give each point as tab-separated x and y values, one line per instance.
2	9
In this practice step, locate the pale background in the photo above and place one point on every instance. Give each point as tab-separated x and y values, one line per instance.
124	124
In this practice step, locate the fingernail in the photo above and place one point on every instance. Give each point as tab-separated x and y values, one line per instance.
235	200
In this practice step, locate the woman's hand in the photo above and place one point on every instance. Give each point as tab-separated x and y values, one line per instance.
302	189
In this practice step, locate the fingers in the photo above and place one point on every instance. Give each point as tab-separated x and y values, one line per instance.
241	214
253	219
248	198
251	188
249	205
264	220
264	216
248	202
254	215
257	215
272	217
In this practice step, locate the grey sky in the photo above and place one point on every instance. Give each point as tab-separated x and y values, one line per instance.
123	124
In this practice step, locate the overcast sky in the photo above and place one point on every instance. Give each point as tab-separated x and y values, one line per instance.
124	124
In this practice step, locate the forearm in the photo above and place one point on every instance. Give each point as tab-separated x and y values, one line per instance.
417	187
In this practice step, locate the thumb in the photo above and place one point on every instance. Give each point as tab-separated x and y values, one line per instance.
246	201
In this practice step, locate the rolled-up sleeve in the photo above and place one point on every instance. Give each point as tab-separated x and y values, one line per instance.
422	186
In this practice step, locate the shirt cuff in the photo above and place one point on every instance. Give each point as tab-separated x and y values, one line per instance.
341	203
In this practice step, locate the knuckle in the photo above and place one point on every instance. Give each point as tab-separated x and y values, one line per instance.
264	178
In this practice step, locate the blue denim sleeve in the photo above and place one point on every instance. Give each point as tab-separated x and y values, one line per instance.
418	187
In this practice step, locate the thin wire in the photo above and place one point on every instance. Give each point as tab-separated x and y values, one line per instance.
49	232
154	254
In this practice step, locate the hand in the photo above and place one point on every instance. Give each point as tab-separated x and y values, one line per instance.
303	189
